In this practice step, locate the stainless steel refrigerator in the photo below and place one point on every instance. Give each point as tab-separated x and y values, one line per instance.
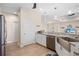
2	35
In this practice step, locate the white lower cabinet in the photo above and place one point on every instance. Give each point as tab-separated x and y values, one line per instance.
58	49
41	39
65	52
38	38
61	51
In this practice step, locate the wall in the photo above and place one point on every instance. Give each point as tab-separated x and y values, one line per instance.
50	24
12	27
61	26
75	24
30	20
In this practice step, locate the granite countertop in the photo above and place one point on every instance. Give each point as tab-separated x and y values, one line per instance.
59	34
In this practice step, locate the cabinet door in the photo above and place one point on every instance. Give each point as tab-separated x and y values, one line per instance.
38	38
65	52
43	40
58	47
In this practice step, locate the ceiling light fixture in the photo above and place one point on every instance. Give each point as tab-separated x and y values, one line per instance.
15	12
55	8
34	6
70	12
55	17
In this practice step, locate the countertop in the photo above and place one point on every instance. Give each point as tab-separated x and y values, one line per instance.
59	34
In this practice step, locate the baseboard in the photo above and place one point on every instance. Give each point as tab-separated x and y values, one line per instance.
11	44
22	45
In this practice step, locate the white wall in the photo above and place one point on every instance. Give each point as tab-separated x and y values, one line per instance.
50	24
30	19
61	26
12	27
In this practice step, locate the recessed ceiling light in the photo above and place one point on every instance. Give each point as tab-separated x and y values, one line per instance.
55	8
55	17
41	9
15	12
70	12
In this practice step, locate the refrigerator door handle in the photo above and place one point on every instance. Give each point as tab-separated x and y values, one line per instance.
5	32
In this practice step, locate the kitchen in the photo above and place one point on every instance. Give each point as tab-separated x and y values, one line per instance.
53	26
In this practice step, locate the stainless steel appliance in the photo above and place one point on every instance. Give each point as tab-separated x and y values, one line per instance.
2	35
51	42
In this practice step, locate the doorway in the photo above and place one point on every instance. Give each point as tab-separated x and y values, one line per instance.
12	28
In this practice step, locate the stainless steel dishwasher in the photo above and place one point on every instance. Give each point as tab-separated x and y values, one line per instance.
51	42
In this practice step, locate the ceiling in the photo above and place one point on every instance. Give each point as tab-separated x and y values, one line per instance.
58	9
54	9
14	7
